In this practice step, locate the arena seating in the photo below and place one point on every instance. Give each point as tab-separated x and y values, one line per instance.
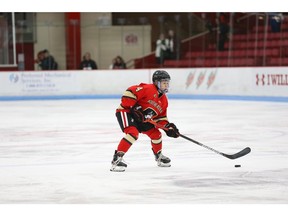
257	47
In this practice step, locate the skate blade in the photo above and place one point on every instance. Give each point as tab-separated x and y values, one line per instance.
117	169
164	164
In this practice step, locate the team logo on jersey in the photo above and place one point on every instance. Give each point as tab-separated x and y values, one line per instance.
156	105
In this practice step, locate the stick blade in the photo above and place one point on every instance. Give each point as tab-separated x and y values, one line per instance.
242	153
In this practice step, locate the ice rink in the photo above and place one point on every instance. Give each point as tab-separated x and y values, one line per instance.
59	152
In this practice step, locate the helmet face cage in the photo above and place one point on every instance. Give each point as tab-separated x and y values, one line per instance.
160	76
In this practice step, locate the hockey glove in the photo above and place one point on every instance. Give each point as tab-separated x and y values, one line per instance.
172	130
138	114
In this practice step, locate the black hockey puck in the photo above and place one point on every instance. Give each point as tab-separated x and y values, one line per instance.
237	165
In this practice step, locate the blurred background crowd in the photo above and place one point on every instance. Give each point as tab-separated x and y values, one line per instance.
90	41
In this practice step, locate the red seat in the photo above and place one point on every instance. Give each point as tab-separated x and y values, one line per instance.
277	61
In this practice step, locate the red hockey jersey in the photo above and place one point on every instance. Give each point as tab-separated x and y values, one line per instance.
148	97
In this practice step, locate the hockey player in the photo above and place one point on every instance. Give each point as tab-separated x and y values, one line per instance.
139	103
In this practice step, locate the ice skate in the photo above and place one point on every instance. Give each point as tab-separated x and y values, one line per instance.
117	163
162	161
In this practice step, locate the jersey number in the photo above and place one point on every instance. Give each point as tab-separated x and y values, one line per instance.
139	88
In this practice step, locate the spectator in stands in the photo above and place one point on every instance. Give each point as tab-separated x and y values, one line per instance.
112	64
48	62
223	31
40	57
275	20
208	23
160	49
171	46
119	63
88	63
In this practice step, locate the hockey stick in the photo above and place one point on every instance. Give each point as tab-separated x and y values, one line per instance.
239	154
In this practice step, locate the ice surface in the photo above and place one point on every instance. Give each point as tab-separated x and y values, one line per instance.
59	151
